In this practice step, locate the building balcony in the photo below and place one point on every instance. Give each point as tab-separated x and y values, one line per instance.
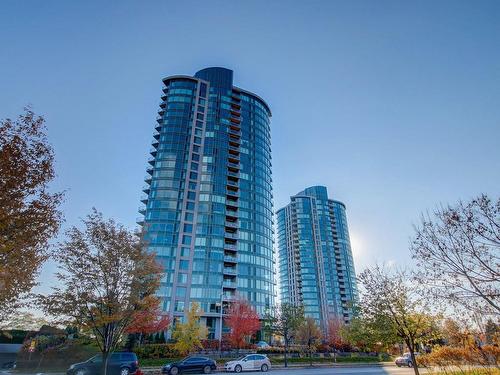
163	104
231	213
234	132
140	220
233	158
233	236
142	210
228	297
232	194
231	203
235	120
149	170
144	198
148	179
232	224
230	247
229	271
235	150
146	189
229	285
234	166
164	97
159	119
234	175
155	143
234	185
151	161
156	136
236	142
230	259
236	106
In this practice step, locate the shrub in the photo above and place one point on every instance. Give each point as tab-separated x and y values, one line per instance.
213	344
280	349
447	358
156	351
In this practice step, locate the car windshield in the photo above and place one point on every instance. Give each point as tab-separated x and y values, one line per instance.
241	358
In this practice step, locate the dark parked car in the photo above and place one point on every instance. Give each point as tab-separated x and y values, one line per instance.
118	364
190	364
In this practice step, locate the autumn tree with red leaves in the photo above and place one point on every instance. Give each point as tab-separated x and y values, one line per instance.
243	321
334	333
148	321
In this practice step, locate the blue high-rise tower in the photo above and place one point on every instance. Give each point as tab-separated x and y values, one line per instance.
316	267
208	203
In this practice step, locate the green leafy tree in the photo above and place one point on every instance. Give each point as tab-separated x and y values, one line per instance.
284	320
189	335
369	334
309	334
106	278
392	304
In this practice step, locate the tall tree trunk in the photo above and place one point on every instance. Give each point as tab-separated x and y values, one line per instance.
411	348
104	368
286	349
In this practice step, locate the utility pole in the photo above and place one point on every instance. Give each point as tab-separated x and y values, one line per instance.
220	326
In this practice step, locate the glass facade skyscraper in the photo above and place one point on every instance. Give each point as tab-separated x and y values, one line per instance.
316	267
208	196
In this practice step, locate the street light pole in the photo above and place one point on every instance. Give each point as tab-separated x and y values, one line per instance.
220	326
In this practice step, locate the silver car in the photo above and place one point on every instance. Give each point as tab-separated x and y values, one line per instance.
405	360
250	362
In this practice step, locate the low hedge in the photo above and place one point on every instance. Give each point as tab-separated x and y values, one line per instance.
156	351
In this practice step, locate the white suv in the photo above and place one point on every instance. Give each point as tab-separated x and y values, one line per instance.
250	362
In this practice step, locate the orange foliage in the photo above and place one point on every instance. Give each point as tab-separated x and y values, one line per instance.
334	338
448	357
148	321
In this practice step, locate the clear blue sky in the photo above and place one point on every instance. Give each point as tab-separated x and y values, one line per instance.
393	105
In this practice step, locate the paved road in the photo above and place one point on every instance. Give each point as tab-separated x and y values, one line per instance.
359	370
366	370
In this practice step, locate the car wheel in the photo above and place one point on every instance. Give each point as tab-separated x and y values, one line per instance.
264	368
81	372
410	364
237	368
207	370
174	371
124	371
